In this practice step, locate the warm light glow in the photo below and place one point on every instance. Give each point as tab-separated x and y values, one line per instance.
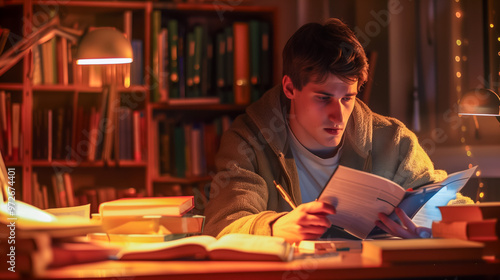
459	42
459	74
481	184
470	165
478	173
29	213
102	61
498	39
126	81
467	148
457	58
464	58
492	25
481	194
478	114
462	139
464	128
458	14
469	154
459	88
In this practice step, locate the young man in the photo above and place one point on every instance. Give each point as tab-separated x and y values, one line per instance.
299	132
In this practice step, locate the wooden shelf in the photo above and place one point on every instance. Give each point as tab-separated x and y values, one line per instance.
80	88
101	5
13	86
76	164
13	164
212	7
170	179
200	107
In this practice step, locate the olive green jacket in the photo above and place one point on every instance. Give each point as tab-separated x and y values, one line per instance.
255	151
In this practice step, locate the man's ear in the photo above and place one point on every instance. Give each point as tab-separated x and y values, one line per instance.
288	88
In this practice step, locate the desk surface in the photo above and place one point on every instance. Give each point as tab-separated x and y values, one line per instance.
343	266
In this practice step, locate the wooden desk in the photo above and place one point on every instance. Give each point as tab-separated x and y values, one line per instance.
347	266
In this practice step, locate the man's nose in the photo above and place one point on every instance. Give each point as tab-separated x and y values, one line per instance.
335	112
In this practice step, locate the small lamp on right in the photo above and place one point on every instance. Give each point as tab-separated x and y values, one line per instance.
479	102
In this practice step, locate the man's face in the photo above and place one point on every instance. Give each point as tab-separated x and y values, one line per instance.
320	111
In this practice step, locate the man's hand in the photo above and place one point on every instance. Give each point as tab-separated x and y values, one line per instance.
307	221
408	230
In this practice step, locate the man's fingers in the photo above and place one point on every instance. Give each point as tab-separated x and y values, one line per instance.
395	228
407	222
315	220
383	227
317	207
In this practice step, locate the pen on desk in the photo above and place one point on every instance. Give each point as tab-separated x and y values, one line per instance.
285	195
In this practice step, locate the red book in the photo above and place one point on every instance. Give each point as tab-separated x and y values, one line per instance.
470	212
485	230
241	83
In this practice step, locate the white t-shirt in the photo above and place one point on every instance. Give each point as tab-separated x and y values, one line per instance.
314	172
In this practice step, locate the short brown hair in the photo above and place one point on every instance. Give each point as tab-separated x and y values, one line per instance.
316	50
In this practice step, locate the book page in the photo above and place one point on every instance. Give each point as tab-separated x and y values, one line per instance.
82	211
238	246
358	197
189	247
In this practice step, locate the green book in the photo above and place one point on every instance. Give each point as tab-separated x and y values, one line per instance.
200	45
173	40
190	65
207	70
220	65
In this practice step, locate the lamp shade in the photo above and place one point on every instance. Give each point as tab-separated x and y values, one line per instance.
104	45
479	102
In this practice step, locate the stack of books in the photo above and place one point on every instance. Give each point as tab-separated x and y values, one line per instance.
34	240
146	220
474	222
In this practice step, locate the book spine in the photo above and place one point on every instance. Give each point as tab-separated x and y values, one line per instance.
173	40
241	84
155	30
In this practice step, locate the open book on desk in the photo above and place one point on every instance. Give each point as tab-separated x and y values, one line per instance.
359	196
231	247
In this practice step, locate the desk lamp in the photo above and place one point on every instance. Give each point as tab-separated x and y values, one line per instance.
105	46
479	102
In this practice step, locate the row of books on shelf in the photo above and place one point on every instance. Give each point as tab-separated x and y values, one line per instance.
187	149
234	64
10	127
100	132
60	192
474	222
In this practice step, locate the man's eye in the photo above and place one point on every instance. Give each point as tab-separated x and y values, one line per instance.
347	98
323	98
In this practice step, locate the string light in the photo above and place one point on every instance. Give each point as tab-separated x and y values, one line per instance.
460	58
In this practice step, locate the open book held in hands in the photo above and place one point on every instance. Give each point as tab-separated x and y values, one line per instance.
230	247
359	196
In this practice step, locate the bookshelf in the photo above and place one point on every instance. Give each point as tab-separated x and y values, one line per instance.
151	104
